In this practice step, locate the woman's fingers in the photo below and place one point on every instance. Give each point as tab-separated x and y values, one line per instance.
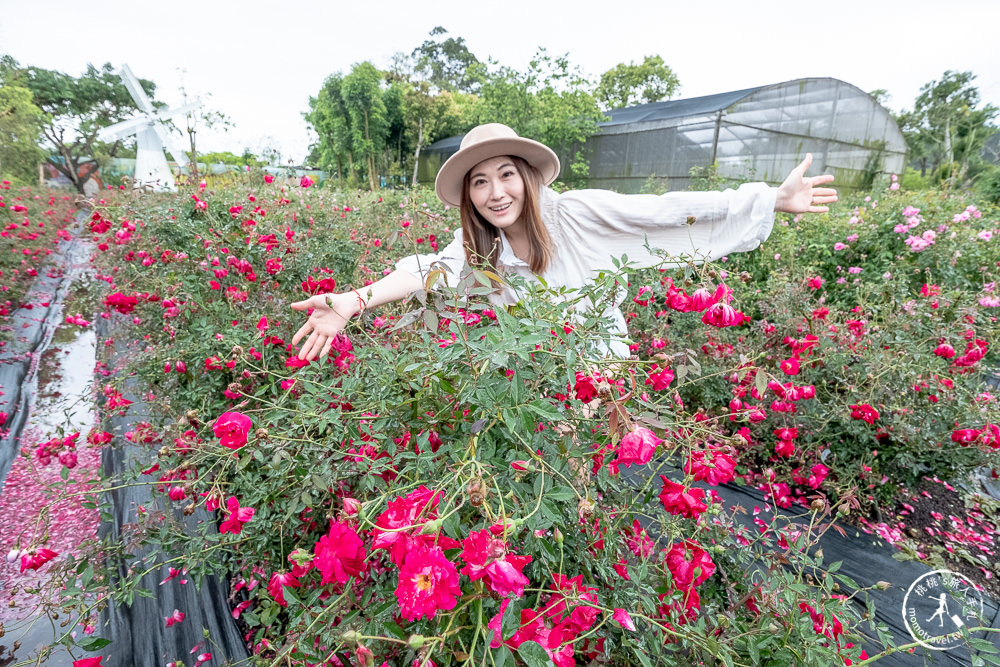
804	165
303	330
304	348
323	346
307	351
314	345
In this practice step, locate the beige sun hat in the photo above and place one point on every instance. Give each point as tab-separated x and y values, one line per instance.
485	142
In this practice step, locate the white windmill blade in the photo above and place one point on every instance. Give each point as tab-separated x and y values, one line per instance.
123	129
177	111
169	139
171	144
138	94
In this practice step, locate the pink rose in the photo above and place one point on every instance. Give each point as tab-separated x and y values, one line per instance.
231	428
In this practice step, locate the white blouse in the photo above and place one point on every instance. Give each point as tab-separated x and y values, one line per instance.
590	227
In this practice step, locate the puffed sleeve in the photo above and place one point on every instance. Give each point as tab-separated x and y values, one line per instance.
699	225
452	256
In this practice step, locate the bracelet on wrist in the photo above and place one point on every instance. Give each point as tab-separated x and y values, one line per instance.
362	304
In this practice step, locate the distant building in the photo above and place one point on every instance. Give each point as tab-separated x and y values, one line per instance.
752	134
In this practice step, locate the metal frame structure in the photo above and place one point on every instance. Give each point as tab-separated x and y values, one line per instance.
756	134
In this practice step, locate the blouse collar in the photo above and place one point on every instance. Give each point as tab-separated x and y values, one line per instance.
507	256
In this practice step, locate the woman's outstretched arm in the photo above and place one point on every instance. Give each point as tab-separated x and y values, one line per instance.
330	312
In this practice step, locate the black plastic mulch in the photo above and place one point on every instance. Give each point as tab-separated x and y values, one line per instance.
138	631
866	559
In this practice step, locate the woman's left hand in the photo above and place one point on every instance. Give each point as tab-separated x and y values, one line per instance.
799	194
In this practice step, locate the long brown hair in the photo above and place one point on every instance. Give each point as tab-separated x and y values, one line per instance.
482	239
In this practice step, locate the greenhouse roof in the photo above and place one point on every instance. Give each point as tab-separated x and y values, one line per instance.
676	108
448	144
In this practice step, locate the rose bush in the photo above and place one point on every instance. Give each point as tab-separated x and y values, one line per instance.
459	484
34	223
851	378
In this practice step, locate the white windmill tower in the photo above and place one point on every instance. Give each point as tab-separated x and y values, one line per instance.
152	136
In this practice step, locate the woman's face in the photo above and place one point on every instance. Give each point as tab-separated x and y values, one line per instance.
497	191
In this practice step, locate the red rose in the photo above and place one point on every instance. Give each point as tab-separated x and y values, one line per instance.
231	428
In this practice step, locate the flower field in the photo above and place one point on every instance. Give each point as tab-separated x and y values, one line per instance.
457	484
34	223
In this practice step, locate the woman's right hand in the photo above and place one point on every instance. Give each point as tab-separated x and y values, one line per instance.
330	313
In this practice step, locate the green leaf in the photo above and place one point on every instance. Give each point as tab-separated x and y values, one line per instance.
406	320
451	526
760	381
642	658
290	596
544	409
430	320
394	628
500	656
94	643
991	659
511	621
270	614
983	645
534	655
550	511
560	493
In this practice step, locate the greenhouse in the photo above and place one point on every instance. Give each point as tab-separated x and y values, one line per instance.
752	134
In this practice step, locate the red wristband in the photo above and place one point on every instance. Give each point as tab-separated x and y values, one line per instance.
361	302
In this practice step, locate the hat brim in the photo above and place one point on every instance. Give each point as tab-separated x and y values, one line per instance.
448	183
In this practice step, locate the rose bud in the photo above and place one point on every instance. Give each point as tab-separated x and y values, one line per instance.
351	506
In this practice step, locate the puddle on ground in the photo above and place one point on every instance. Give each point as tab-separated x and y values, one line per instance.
62	405
65	402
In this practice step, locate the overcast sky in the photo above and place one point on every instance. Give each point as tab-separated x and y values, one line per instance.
258	61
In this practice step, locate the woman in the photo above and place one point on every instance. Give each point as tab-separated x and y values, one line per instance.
513	222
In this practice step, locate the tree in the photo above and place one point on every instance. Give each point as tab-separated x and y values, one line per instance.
362	94
267	149
881	96
20	123
428	117
945	126
625	85
75	108
446	64
431	102
247	159
396	138
550	102
330	119
205	117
